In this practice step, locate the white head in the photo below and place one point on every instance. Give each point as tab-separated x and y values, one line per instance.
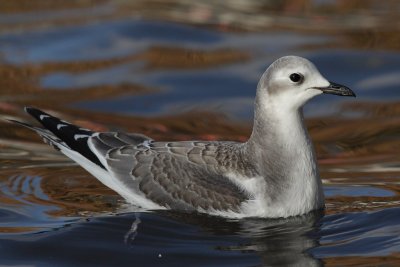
291	81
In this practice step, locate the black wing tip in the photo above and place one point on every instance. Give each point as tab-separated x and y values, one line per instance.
28	109
35	112
65	135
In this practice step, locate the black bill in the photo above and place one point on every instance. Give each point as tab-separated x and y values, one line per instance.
337	89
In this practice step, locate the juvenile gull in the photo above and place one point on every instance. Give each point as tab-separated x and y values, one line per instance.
273	174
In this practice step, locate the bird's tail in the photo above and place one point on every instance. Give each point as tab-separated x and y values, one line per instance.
61	134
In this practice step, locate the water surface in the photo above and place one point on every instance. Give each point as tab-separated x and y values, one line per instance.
186	72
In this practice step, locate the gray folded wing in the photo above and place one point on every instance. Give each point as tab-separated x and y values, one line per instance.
177	175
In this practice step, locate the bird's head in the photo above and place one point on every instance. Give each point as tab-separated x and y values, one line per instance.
291	81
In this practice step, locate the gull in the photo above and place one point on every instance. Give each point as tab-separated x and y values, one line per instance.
273	174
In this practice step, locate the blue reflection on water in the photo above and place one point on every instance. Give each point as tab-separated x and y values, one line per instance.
99	40
360	234
356	191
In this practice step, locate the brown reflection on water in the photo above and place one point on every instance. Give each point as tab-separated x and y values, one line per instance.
21	83
178	58
360	150
389	260
70	190
370	137
27	6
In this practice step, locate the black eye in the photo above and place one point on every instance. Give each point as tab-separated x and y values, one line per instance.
296	78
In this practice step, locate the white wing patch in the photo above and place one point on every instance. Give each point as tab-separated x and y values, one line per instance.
147	143
59	126
41	117
78	136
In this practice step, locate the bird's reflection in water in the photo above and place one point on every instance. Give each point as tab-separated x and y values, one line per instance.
277	241
132	233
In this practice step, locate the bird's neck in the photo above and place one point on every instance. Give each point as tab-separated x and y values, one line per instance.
280	125
285	156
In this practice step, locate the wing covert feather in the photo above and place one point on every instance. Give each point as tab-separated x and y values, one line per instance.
175	177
